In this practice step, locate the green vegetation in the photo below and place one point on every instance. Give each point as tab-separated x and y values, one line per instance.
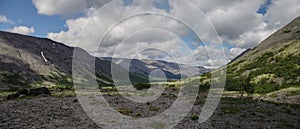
15	79
275	69
125	111
287	30
140	86
194	117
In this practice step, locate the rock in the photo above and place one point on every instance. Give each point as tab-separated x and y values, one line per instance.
18	94
39	91
13	96
23	92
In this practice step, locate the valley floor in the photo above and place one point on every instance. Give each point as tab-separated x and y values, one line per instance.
66	113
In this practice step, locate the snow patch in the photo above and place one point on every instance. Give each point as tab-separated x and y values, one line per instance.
42	54
118	61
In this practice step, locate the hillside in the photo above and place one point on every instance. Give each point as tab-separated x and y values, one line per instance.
29	61
272	65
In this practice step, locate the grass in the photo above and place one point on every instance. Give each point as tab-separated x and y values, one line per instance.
124	110
140	86
64	93
292	93
15	79
287	30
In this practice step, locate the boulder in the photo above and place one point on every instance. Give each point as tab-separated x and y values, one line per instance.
23	92
13	96
39	91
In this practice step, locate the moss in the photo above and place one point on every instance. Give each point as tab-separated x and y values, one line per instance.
194	117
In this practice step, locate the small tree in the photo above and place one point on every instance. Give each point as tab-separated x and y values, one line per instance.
247	86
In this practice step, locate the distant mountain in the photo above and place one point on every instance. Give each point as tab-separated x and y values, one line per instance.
27	61
272	65
170	69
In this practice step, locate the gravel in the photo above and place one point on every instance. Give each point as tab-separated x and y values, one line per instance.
66	113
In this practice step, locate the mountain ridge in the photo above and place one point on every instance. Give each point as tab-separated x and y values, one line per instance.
272	65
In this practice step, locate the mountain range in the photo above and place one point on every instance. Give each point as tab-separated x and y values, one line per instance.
145	66
28	61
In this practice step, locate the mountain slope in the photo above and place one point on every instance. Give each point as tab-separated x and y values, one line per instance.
28	61
145	66
272	65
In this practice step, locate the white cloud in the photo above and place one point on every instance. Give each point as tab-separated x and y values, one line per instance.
3	19
59	7
211	55
236	21
22	30
281	12
234	52
66	7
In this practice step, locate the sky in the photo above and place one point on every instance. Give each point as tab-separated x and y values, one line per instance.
205	32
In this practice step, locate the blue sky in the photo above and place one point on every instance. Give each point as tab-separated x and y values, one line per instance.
23	12
264	8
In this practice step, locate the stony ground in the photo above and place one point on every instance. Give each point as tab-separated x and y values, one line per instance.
66	113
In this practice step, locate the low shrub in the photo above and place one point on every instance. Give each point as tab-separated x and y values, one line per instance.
140	86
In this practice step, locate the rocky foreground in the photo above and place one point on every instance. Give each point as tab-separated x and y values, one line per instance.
66	113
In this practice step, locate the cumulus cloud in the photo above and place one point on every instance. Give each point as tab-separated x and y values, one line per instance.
3	19
60	7
234	52
236	21
22	30
66	7
281	12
